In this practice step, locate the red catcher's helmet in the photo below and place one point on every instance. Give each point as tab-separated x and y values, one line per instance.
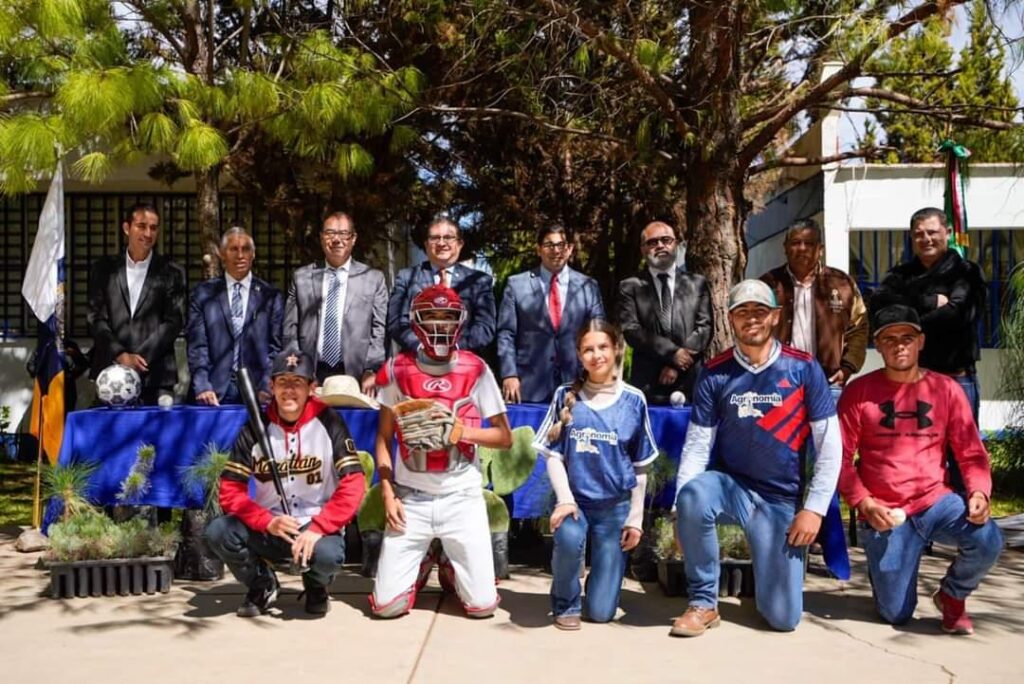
437	316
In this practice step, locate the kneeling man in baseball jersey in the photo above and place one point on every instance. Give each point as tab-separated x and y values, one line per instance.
321	478
434	399
760	405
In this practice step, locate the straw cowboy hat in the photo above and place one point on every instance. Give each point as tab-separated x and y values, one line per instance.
343	390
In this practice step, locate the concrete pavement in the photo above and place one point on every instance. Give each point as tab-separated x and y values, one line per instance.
191	636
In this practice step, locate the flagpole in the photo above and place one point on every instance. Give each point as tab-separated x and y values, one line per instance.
37	507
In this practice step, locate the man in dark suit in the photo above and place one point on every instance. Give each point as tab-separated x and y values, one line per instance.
665	315
443	245
137	308
336	308
234	322
541	312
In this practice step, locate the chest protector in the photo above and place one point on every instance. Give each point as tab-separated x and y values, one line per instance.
452	390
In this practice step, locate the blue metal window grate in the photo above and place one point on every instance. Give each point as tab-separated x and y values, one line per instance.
874	253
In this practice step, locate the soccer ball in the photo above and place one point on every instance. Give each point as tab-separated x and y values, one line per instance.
118	385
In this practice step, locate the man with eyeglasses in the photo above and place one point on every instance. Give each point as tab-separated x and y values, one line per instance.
336	308
443	244
665	315
900	420
541	312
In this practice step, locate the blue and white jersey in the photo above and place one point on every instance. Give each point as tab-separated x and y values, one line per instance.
763	416
602	447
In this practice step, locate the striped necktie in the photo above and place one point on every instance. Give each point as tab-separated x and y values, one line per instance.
331	354
665	304
237	322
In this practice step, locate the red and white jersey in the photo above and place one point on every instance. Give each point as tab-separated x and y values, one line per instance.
464	384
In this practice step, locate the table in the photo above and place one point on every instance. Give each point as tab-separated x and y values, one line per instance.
110	437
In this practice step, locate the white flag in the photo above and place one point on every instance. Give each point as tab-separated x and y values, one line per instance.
40	285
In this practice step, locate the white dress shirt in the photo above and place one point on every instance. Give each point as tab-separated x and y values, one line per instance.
246	285
803	337
136	273
342	275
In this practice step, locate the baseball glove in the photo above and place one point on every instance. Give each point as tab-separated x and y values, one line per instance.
425	424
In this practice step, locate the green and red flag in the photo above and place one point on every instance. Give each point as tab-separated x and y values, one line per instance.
956	207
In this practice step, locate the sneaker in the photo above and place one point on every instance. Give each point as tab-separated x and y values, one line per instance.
569	623
695	621
318	601
955	619
260	597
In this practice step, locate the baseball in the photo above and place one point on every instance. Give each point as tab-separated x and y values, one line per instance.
898	515
677	398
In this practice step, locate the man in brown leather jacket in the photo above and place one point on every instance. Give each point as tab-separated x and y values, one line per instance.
822	311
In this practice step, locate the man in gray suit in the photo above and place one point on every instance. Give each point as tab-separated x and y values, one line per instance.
336	309
443	245
665	315
541	312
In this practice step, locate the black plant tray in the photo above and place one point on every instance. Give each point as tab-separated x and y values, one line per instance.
111	577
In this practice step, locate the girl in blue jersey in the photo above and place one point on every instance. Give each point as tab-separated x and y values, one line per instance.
598	443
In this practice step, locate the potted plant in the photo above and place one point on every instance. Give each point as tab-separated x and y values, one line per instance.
91	554
194	560
671	568
644	558
737	570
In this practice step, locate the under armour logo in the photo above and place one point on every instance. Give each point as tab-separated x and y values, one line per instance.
888	408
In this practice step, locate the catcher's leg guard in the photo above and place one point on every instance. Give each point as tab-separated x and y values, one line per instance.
397	607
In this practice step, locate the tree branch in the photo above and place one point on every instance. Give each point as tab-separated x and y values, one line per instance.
14	98
863	153
804	97
608	45
920	106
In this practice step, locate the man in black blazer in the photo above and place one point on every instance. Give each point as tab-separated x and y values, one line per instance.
665	315
234	322
443	245
137	308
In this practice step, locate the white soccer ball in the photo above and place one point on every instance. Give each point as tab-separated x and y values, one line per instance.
118	385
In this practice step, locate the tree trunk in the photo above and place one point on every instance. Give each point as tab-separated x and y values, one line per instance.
715	247
208	210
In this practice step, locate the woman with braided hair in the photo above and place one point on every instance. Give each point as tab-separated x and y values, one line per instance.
598	443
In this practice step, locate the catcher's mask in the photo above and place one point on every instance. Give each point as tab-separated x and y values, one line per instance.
437	316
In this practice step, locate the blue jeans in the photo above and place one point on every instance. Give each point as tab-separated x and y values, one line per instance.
715	497
243	550
607	562
894	556
969	384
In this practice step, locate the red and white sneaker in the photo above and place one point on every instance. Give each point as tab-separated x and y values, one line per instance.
955	619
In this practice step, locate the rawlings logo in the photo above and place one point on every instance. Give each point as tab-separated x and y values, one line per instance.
437	385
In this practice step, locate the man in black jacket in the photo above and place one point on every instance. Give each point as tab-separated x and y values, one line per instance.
137	308
948	293
665	315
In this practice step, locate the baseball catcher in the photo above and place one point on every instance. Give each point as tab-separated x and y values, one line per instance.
320	476
433	400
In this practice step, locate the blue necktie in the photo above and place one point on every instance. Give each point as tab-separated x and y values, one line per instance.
237	322
332	332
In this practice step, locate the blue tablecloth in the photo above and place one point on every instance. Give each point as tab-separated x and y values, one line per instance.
181	435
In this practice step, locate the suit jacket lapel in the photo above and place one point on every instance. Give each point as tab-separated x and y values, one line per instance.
537	283
122	285
354	269
147	284
255	302
224	299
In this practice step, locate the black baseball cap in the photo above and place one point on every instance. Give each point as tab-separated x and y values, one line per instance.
293	362
895	314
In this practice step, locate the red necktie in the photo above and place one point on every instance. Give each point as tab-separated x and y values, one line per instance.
554	303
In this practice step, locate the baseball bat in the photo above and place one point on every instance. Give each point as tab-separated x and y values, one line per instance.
252	407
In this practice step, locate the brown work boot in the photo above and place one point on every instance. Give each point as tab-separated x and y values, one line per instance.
569	623
695	621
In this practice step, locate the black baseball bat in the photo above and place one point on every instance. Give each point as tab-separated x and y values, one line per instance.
252	406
